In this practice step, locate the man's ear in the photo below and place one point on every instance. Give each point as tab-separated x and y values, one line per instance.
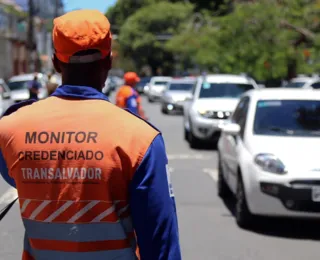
56	63
108	62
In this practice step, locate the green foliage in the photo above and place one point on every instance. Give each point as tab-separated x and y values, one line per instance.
253	39
138	35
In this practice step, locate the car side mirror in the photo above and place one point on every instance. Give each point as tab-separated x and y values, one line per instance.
6	95
231	129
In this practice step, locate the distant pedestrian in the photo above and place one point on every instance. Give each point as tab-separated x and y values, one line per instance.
34	87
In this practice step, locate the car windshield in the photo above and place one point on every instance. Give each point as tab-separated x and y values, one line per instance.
143	81
295	84
287	118
181	86
17	85
223	90
156	83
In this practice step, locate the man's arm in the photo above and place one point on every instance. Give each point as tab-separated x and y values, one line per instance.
153	207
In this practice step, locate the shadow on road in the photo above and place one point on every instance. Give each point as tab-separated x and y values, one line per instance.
206	147
282	227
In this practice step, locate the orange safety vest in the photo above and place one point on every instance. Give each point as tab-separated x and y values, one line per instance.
72	162
125	95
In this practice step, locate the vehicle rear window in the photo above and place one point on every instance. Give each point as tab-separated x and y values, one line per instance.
181	86
287	117
223	90
295	85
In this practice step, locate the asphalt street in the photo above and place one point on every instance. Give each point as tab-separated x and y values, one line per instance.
207	227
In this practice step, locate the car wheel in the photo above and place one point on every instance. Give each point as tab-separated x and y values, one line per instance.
164	110
150	100
186	132
223	188
244	218
193	141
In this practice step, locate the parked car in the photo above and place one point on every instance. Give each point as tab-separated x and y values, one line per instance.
303	81
140	87
177	92
214	99
269	155
5	97
19	86
156	88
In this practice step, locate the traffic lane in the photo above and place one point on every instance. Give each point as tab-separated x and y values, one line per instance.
11	227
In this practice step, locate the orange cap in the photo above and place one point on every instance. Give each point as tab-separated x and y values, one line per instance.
79	31
131	78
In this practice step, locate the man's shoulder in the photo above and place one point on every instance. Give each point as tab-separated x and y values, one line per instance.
130	121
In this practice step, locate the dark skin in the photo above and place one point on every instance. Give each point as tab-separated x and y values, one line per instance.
86	74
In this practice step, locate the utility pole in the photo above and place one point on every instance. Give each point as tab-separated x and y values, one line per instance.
30	39
56	14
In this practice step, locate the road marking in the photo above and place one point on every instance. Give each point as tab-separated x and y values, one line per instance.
8	196
213	173
188	157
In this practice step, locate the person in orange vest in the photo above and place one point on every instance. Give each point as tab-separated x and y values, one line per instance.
92	179
128	98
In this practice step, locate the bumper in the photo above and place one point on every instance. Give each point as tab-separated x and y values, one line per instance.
206	129
172	107
155	95
284	197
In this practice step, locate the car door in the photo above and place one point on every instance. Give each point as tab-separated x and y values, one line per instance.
233	142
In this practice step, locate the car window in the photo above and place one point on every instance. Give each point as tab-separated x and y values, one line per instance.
287	118
160	83
240	114
17	85
316	85
180	86
223	90
295	84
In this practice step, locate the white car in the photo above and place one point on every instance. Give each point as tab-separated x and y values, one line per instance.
19	86
214	99
156	88
5	97
303	81
269	155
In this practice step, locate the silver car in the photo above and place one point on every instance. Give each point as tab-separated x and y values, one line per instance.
156	88
214	100
19	86
174	96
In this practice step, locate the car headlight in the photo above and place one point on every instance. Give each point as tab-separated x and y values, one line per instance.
270	163
205	113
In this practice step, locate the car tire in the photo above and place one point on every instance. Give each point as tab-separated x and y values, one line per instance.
150	100
243	216
164	111
224	191
186	132
193	141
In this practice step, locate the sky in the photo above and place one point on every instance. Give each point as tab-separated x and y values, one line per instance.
101	5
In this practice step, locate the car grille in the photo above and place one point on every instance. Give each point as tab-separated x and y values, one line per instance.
305	183
218	115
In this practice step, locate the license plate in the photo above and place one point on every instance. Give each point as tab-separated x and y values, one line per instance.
315	194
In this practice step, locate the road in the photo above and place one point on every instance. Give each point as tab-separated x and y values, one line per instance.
207	227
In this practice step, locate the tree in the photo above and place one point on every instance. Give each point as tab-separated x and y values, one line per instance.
139	36
267	39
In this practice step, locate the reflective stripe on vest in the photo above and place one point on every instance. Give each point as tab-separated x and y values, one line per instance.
73	211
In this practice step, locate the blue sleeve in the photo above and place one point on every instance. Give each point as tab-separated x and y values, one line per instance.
153	207
4	171
132	104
